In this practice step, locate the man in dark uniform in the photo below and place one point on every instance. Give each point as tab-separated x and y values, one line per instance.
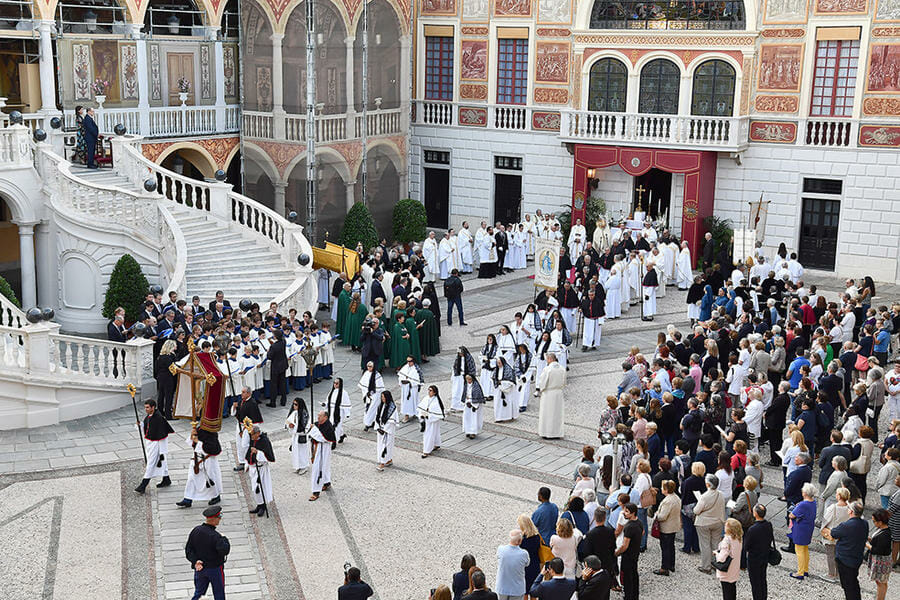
207	550
709	251
502	247
277	356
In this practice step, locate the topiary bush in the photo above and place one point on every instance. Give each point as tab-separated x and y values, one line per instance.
409	221
127	288
6	290
359	227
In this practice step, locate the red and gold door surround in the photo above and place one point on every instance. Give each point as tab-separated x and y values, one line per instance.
698	167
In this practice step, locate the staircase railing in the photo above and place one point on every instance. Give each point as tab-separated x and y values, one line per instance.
218	200
10	314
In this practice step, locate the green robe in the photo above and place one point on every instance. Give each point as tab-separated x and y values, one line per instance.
353	326
428	334
415	346
400	347
342	309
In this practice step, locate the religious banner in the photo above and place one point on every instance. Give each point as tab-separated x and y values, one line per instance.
744	243
759	210
546	263
199	389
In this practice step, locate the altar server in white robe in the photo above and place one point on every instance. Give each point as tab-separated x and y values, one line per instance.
560	339
552	413
525	369
593	310
155	430
528	225
669	254
324	287
473	398
411	381
521	248
430	254
613	303
649	284
621	264
684	273
506	343
259	456
386	421
296	424
338	405
464	243
602	238
463	364
635	275
794	268
322	441
431	413
204	477
659	264
648	232
370	385
445	257
577	235
479	239
488	362
506	408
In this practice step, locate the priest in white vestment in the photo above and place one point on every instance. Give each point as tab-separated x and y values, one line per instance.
659	263
551	385
602	238
576	240
528	225
464	244
683	271
430	253
614	291
445	257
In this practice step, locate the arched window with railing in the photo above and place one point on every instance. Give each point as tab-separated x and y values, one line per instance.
607	87
671	14
660	87
15	14
713	89
174	18
91	16
230	27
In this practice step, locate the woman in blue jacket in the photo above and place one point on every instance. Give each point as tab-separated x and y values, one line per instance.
803	523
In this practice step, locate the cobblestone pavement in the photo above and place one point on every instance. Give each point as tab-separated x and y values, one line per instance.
406	527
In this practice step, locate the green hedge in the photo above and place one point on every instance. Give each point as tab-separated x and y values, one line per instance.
6	290
127	288
359	227
409	221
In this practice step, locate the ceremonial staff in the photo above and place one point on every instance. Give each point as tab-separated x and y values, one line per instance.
132	390
641	283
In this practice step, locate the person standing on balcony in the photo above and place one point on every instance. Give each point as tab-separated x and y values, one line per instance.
91	134
80	153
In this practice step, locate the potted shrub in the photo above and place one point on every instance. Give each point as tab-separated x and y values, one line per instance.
359	228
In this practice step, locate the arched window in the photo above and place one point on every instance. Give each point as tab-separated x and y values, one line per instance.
671	14
607	87
91	16
713	89
174	18
660	83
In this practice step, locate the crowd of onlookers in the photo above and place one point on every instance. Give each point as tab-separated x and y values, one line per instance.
683	452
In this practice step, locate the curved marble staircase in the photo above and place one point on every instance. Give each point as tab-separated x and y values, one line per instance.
201	236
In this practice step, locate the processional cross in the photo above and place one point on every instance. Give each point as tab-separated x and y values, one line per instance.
198	376
640	190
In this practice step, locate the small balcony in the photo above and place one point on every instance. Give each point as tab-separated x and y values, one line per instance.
329	128
167	121
691	132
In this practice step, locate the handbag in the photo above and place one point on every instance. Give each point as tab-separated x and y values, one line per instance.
688	510
774	557
545	554
648	498
722	565
655	530
862	363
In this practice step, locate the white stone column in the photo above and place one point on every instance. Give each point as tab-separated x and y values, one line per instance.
26	260
280	189
46	269
278	86
350	42
351	193
405	82
219	51
48	77
143	77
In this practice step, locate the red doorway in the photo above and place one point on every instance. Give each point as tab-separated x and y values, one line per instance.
698	167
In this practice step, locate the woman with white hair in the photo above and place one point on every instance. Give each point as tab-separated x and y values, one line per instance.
709	516
802	524
165	380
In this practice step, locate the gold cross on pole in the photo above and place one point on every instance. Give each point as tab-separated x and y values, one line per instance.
640	190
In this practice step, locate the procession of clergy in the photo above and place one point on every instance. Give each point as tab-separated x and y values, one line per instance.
617	268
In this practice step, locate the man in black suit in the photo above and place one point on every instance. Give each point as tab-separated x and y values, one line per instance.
759	540
277	356
709	251
551	584
220	297
600	541
91	135
774	418
837	448
115	331
480	591
502	246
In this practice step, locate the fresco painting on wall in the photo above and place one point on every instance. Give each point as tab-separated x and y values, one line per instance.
551	64
81	70
129	71
846	7
473	60
554	11
106	66
476	10
884	69
785	11
512	8
439	7
887	10
780	67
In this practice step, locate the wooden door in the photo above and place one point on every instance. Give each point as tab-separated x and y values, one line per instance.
819	232
180	64
507	197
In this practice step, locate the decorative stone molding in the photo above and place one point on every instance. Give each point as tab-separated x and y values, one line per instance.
782	104
551	95
473	91
783	33
887	107
666	40
551	32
